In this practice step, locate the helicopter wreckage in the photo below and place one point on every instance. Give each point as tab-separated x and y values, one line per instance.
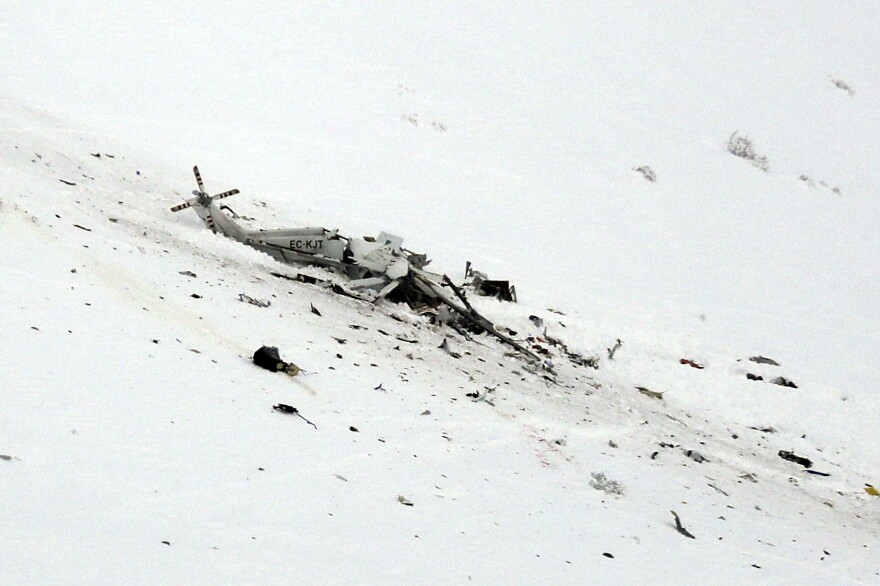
376	268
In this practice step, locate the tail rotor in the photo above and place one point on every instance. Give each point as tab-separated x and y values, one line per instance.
201	197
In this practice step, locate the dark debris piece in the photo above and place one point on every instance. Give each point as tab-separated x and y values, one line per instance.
268	357
679	527
764	360
792	457
784	382
691	363
291	410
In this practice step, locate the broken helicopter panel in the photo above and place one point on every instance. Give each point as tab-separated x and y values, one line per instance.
378	268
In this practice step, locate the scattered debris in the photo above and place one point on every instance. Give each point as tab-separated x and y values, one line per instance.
96	155
187	274
445	347
613	350
196	296
650	393
751	376
718	489
314	309
817	473
164	542
871	490
5	457
608	555
695	456
764	360
252	301
82	227
483	396
537	321
750	477
782	381
404	501
691	363
353	428
289	409
267	357
679	527
603	483
65	182
792	457
767	429
573	357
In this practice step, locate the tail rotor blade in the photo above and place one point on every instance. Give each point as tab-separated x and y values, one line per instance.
199	178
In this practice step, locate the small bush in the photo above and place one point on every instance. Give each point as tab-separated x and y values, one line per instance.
742	147
839	83
647	172
605	484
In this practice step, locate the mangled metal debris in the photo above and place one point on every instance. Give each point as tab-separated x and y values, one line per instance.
376	268
483	285
253	301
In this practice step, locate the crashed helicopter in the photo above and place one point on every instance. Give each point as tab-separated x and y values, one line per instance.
376	268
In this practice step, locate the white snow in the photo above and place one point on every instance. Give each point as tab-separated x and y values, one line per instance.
506	135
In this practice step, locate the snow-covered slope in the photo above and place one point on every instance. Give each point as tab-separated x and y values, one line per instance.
131	412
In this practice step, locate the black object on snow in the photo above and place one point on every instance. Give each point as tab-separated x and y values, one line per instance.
498	289
782	381
291	410
792	457
267	357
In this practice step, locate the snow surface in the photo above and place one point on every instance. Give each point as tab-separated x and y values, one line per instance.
132	416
